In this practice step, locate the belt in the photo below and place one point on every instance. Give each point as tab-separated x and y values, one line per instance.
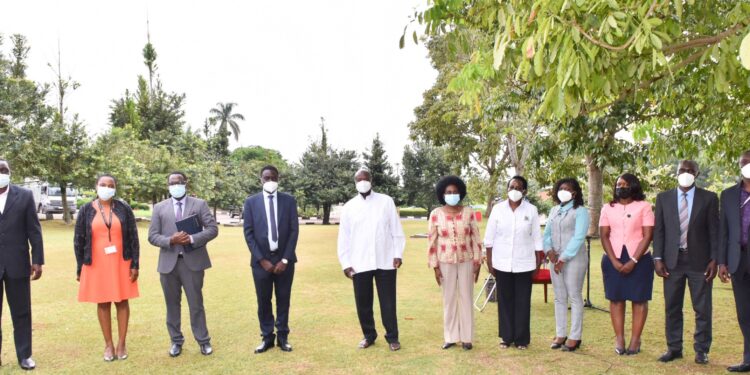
180	256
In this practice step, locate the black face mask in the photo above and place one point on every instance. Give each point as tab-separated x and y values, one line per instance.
623	193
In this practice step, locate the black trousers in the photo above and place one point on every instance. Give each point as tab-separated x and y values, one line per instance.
700	295
266	285
18	293
741	288
385	280
514	307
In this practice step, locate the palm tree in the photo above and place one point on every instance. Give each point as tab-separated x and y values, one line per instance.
223	116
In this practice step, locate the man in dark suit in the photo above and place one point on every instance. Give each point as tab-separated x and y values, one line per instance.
734	260
271	231
686	242
19	228
183	259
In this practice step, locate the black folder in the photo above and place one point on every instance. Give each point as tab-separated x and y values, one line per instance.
191	226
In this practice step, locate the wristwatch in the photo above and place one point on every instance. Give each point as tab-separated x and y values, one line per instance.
283	260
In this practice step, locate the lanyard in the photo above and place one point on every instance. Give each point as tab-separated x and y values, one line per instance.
107	224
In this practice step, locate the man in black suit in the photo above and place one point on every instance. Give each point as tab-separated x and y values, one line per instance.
686	242
271	230
19	227
734	260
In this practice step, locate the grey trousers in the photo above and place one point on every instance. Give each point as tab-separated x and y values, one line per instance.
568	287
173	283
674	296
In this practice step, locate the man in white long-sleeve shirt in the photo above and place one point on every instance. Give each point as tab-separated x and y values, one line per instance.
370	246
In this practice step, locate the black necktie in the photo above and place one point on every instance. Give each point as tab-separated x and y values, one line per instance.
274	230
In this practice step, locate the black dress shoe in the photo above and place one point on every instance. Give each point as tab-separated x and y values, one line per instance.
701	358
207	349
284	345
670	355
264	346
742	367
448	345
27	364
467	346
394	346
175	350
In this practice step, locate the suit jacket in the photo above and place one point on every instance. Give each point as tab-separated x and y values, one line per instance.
19	228
703	229
730	228
163	227
256	228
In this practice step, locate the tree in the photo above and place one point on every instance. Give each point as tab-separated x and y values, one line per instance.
63	147
227	120
326	175
20	53
497	137
586	55
381	171
423	165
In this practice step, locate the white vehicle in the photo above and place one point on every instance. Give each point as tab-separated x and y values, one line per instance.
48	199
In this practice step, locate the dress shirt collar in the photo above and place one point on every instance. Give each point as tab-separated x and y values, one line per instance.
690	193
368	197
183	200
267	194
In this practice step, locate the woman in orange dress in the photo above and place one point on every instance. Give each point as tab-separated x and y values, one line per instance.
107	250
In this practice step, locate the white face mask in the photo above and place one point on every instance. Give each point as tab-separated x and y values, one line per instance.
515	195
105	193
564	196
4	180
686	180
270	186
177	191
364	186
746	171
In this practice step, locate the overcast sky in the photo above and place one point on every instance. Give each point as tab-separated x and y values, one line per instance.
285	63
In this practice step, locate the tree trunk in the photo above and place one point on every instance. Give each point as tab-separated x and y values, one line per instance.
326	214
596	187
215	210
494	180
64	199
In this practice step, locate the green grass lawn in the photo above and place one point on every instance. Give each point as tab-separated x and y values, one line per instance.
325	330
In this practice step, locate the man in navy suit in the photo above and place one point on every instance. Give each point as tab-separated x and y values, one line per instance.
271	231
734	259
19	228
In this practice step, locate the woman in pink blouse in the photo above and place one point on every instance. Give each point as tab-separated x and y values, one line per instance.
455	253
627	226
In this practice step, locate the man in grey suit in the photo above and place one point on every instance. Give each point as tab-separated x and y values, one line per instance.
686	243
183	259
734	260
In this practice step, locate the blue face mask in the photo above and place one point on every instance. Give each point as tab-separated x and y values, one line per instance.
452	199
177	191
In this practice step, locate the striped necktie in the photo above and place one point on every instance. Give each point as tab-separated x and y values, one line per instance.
684	221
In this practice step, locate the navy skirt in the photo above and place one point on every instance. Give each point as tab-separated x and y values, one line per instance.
637	286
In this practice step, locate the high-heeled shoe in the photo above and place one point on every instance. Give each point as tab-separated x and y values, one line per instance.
557	345
109	355
633	352
573	348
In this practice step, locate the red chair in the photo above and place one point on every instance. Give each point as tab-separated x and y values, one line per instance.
542	275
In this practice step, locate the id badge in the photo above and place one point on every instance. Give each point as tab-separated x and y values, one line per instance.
110	249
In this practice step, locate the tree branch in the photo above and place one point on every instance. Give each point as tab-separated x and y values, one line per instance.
705	41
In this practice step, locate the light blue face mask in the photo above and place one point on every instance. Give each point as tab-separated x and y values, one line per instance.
177	191
452	199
